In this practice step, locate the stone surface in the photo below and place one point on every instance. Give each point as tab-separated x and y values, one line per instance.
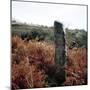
59	43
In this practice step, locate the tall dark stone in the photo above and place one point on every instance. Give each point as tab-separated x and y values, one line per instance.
56	73
60	57
60	43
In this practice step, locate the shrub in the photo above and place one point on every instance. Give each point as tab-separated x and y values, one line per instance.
30	60
33	65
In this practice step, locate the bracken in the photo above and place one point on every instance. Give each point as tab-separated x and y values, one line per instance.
32	61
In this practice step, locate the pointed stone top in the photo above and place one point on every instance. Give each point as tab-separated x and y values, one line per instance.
58	23
58	26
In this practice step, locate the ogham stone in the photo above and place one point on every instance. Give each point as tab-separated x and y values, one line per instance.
59	44
60	57
56	74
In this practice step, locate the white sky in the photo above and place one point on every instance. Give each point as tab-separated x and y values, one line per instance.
71	16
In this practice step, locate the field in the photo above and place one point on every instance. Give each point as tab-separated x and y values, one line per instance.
33	61
49	45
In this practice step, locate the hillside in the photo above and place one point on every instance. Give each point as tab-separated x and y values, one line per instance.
79	37
34	57
74	38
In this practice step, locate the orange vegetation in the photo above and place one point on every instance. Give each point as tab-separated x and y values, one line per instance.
31	60
76	67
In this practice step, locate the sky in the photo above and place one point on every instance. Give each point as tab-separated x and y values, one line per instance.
72	16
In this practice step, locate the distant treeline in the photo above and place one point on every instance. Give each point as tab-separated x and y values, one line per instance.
74	38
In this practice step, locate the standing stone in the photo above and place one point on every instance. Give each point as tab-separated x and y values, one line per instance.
60	58
60	43
56	73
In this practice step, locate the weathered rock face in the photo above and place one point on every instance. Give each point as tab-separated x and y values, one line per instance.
60	43
60	58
